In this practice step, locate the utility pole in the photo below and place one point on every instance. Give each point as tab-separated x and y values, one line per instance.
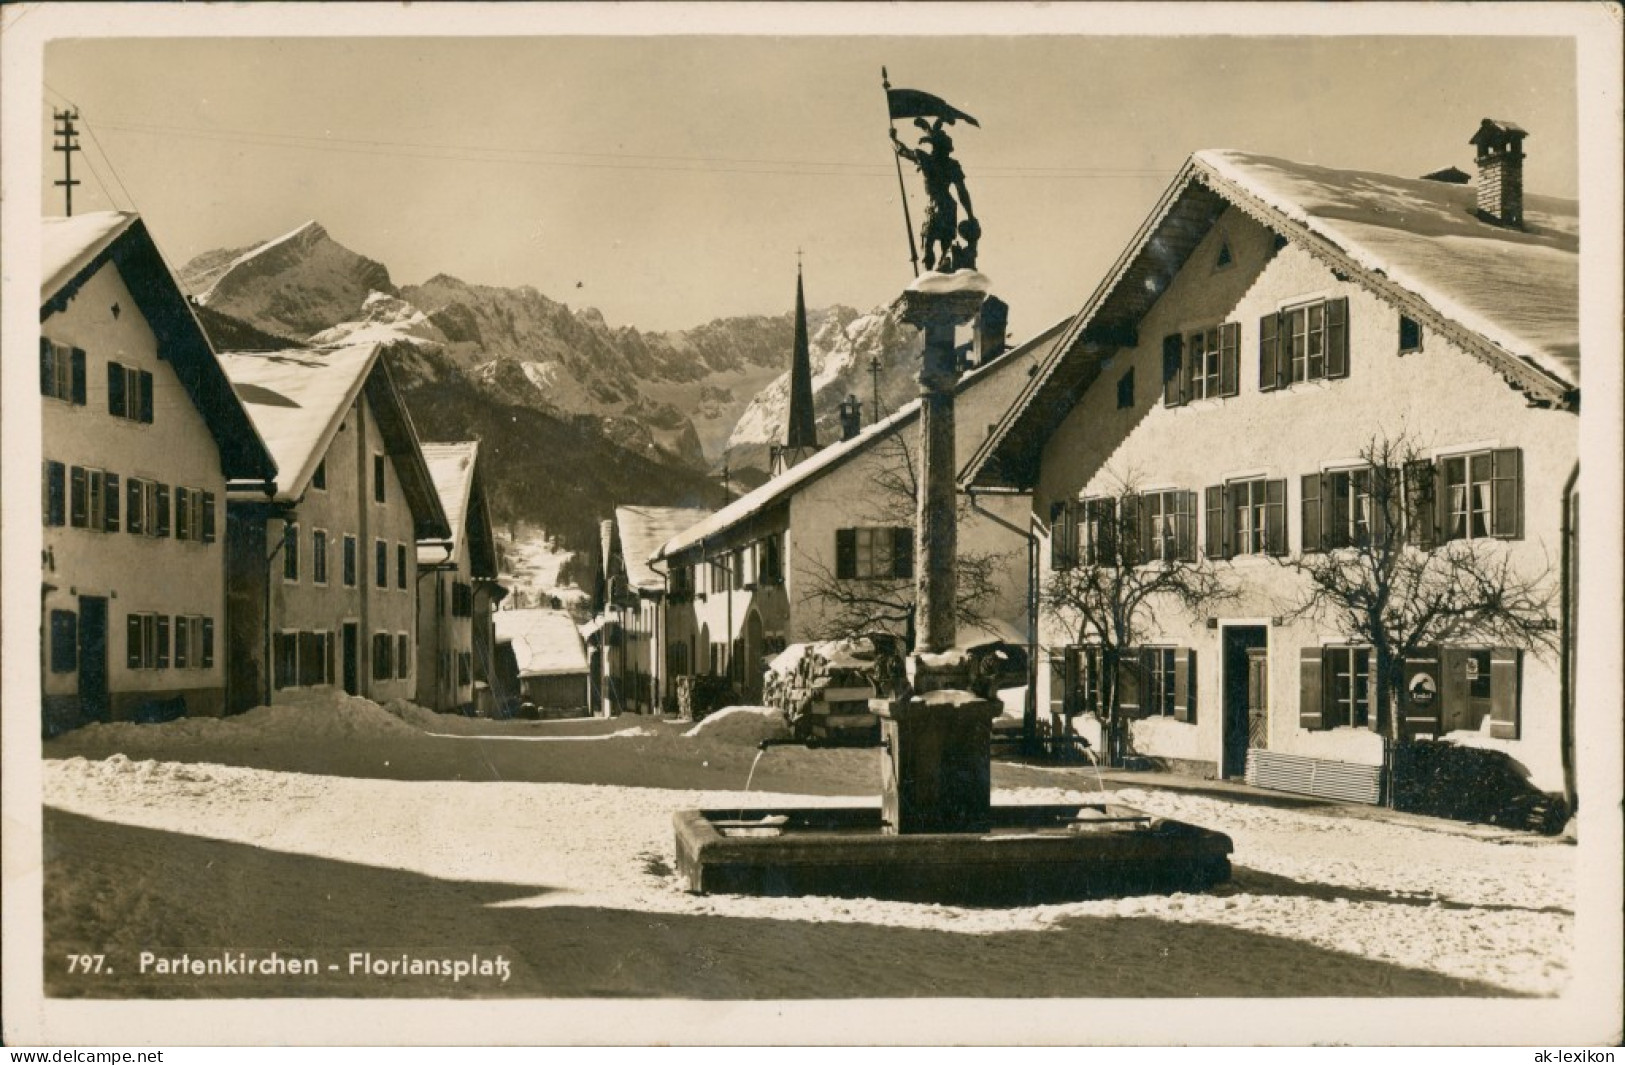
70	144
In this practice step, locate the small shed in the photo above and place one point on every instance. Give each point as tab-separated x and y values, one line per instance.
552	661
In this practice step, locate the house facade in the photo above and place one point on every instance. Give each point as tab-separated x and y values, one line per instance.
827	547
634	601
140	434
1273	328
458	591
323	570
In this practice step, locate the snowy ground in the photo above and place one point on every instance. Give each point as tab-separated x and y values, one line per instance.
550	844
530	566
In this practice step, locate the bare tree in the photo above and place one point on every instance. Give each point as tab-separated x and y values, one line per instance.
1116	562
854	605
1396	563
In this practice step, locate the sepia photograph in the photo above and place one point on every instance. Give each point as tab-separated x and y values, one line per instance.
846	523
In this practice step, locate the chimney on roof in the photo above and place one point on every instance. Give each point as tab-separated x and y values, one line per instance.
1500	172
851	410
991	322
1449	176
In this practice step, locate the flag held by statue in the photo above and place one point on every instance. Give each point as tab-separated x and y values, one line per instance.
912	103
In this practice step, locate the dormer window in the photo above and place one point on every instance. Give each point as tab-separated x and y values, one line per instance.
1410	335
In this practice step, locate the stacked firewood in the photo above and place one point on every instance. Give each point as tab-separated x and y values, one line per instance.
824	688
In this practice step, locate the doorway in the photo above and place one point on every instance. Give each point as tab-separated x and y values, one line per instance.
1246	695
92	658
352	641
751	658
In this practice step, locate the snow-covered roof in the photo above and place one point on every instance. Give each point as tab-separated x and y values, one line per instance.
451	467
298	399
823	461
642	530
1518	288
68	245
545	642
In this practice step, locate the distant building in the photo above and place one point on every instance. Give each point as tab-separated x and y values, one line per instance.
550	659
1268	322
795	559
323	567
457	590
635	678
140	434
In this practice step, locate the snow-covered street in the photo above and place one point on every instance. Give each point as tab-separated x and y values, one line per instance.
193	839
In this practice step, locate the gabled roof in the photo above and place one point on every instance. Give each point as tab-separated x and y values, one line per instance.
835	455
641	531
298	398
73	249
454	468
1508	297
545	642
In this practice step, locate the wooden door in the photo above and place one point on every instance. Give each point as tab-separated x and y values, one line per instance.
92	658
1258	682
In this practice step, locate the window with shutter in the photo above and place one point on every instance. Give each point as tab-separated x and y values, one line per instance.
1421	510
183	513
1184	684
1269	353
1172	378
134	642
1230	359
146	397
1096	535
1275	539
182	644
1347	699
160	510
56	491
115	391
1506	493
79	376
1337	337
207	653
1311	693
208	517
161	642
1129	675
1063	553
403	657
78	497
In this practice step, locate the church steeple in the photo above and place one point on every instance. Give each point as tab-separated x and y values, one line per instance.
800	427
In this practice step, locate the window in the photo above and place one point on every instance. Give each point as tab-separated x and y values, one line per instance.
1202	364
382	647
1083	532
769	561
315	664
1336	688
1410	335
1125	390
400	566
1481	495
1308	342
61	371
93	497
1063	534
1246	518
64	641
194	642
874	554
1158	697
55	504
403	655
1168	526
147	641
318	480
1075	681
465	669
290	551
378	478
285	649
318	556
129	393
680	583
1343	508
462	600
380	564
719	576
1158	681
349	560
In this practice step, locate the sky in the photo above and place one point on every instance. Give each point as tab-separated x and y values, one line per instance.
669	181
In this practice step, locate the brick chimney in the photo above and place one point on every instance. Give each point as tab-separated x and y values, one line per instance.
991	323
1500	172
851	410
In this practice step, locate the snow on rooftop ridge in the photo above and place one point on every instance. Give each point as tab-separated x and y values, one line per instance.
68	243
1517	288
451	468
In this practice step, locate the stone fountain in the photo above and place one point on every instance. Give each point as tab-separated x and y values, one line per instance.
936	835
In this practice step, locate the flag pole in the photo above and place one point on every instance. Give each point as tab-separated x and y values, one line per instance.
902	191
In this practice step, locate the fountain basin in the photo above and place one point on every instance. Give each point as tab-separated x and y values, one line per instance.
1026	854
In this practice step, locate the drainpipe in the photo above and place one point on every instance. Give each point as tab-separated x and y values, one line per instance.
1029	535
1566	639
657	649
270	560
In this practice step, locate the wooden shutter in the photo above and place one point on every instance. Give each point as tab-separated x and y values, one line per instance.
846	554
183	513
1421	511
1337	337
1229	358
115	390
1172	380
902	552
1185	684
110	502
1269	352
79	376
206	657
47	367
1185	526
1312	494
1057	681
160	523
1311	690
1213	515
1384	485
56	492
208	517
1504	693
1275	517
134	494
162	641
1129	672
146	397
1506	493
1057	545
132	642
78	505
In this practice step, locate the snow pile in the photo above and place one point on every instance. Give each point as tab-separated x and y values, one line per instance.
312	714
413	714
741	724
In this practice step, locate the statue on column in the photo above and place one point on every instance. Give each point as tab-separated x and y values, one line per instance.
944	179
